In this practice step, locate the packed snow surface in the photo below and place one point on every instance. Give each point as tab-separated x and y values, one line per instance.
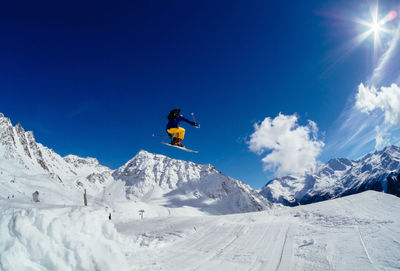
358	232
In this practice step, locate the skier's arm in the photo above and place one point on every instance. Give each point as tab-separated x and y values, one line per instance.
186	120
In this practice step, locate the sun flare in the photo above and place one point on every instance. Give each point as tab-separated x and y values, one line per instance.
376	26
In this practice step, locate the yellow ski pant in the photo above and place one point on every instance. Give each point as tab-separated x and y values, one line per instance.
178	132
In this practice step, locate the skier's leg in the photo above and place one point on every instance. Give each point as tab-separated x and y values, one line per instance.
178	135
181	133
178	132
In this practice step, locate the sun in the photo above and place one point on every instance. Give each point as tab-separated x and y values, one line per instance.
376	26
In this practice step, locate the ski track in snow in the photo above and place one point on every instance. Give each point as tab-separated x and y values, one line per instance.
363	244
360	231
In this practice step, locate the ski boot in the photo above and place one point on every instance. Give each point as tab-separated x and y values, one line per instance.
179	143
174	141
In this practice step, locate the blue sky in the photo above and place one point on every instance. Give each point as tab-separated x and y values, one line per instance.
98	78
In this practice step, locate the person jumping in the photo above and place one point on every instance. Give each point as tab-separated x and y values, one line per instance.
175	132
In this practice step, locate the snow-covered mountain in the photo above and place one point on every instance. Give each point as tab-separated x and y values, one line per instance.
339	177
150	177
26	164
19	146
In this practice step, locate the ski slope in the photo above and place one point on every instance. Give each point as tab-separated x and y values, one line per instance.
360	232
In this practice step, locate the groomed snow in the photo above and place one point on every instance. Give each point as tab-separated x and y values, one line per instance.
359	232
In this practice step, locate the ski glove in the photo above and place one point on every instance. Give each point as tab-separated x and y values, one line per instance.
194	124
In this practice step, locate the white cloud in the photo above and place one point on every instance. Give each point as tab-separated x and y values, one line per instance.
292	149
386	99
381	138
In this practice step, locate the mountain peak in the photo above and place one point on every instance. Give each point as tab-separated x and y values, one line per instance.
391	149
74	159
144	153
339	163
149	176
4	121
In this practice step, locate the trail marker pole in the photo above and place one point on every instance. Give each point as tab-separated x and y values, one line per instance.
85	198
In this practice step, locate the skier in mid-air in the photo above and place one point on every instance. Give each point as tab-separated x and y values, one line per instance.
175	132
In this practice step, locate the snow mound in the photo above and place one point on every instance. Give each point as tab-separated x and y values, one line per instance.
59	239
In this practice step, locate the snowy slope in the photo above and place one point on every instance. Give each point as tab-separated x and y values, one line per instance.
340	177
359	232
157	179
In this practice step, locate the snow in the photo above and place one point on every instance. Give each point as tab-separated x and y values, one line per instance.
341	234
358	231
53	238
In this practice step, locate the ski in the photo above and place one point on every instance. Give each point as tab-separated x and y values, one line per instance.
182	148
